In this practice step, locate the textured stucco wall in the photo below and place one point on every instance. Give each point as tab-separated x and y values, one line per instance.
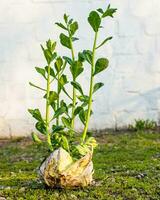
132	83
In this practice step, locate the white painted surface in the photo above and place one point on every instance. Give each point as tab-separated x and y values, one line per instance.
132	83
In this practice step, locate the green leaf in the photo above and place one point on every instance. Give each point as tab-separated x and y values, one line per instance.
61	25
74	39
82	116
89	145
53	96
107	39
70	21
56	129
36	138
83	98
58	64
65	143
62	82
87	54
100	10
40	126
68	60
48	55
77	110
51	71
66	122
83	149
76	69
101	64
63	104
109	12
77	86
53	105
54	55
59	112
97	86
91	142
41	71
70	105
51	45
65	41
73	28
65	17
81	57
94	20
36	114
56	140
84	104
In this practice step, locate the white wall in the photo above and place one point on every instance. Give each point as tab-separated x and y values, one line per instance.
132	83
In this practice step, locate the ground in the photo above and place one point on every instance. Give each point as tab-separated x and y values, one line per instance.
127	167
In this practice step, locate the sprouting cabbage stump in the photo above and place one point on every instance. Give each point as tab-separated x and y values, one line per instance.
59	170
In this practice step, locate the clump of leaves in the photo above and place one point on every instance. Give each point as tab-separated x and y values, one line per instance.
58	124
141	125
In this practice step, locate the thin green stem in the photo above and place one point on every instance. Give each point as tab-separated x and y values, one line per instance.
64	90
58	99
33	85
47	111
73	106
91	89
74	90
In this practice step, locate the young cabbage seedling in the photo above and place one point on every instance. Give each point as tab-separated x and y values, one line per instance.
58	125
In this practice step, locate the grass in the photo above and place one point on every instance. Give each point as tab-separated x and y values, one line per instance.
127	167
